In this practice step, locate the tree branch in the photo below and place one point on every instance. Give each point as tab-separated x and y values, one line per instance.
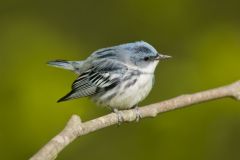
75	128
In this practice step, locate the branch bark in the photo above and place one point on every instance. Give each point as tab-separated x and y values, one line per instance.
75	128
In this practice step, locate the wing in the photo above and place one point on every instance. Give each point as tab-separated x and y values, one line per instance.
104	75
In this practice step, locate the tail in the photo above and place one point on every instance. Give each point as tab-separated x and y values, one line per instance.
69	96
68	65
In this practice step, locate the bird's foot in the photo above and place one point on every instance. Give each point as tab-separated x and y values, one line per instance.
138	114
119	116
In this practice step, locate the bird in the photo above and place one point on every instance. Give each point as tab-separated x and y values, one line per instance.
117	77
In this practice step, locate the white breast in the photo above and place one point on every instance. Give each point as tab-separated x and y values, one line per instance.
128	97
125	98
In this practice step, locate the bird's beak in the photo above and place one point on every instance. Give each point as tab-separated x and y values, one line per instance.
162	57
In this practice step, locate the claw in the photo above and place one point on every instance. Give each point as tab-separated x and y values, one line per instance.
119	116
138	114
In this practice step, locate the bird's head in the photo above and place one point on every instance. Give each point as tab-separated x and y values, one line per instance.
142	55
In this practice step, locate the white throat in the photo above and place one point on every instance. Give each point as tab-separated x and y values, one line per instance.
149	68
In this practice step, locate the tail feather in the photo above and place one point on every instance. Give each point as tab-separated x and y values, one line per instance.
69	96
68	65
61	64
65	98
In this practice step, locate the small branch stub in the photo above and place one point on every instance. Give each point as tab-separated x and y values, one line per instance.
236	90
76	128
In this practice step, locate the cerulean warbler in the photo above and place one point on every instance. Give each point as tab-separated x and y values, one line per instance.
117	77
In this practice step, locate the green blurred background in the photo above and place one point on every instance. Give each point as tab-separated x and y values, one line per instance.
203	36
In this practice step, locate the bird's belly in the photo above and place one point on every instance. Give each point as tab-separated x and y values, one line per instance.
131	95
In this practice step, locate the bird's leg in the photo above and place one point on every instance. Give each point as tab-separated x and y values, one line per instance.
119	116
138	114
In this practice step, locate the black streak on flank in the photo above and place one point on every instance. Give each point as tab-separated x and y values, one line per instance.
132	74
111	96
129	84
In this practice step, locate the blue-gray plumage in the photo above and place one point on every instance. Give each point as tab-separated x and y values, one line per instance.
117	77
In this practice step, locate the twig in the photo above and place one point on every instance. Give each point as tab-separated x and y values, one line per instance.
75	128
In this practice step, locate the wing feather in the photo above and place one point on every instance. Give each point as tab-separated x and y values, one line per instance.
96	79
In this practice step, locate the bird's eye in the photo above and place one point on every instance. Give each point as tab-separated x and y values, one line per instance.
146	58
